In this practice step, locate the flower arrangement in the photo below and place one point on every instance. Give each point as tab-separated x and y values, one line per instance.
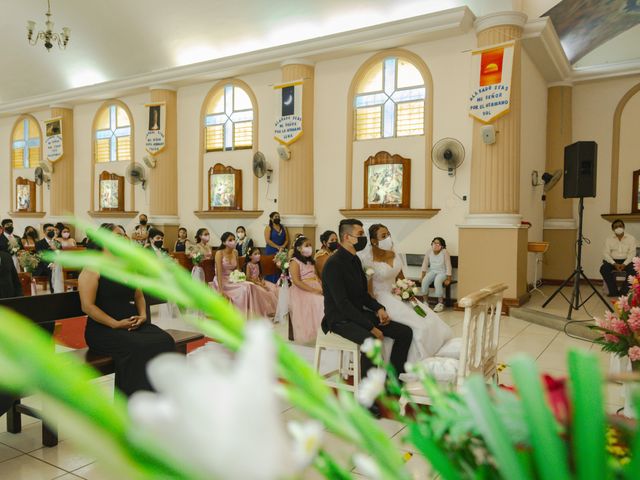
281	259
368	272
621	328
478	432
196	257
28	261
406	290
14	246
237	276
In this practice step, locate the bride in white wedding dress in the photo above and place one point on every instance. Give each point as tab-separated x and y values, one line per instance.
430	333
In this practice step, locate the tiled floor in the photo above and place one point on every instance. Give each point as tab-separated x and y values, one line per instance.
22	456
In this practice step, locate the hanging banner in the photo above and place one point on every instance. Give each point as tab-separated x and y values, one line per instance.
53	139
155	131
491	70
288	127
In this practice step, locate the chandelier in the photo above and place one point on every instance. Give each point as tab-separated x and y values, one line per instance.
48	36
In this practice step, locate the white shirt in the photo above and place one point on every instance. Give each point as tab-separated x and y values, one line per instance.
615	249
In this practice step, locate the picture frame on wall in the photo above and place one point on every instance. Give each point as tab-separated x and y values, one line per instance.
25	195
225	188
387	181
635	193
111	192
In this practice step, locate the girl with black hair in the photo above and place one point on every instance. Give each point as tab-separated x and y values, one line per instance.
202	244
267	293
306	302
244	243
436	270
276	237
182	243
329	242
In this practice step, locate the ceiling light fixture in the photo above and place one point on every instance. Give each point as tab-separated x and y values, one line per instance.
48	36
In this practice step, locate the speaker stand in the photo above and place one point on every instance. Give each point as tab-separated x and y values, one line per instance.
578	273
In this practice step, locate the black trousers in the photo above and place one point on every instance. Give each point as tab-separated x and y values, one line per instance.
401	334
609	273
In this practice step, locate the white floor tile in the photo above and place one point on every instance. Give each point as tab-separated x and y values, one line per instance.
94	471
28	440
28	468
64	455
7	452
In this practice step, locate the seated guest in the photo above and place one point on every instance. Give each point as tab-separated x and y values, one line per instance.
241	294
429	332
9	282
58	228
436	270
276	238
243	243
329	241
349	310
619	250
141	232
9	242
156	241
125	232
117	326
66	241
182	242
200	248
266	293
49	242
29	237
306	303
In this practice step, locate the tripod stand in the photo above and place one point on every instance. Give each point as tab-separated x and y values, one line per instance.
574	301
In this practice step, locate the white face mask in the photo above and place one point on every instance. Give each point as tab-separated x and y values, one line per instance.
66	235
386	244
306	251
256	259
619	231
205	239
231	243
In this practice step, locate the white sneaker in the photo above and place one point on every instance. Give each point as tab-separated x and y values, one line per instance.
438	308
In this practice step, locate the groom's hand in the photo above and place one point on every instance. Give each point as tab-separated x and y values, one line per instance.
377	333
383	316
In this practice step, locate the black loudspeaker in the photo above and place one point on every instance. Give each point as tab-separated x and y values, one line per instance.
580	162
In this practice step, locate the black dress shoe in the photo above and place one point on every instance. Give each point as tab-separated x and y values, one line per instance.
375	411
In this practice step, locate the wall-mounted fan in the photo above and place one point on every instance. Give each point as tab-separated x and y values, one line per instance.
261	167
283	152
448	154
40	176
549	180
135	175
149	161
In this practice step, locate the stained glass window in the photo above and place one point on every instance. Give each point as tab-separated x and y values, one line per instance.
228	122
113	135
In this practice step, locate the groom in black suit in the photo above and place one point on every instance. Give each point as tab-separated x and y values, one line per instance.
7	237
349	310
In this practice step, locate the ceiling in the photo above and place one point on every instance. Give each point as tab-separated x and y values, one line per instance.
119	39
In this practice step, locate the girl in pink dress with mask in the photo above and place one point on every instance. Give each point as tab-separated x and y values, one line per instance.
306	303
266	293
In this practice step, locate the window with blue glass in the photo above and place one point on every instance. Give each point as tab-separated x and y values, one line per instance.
389	101
113	135
228	121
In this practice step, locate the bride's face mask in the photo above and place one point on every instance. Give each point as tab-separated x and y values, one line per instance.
436	247
385	243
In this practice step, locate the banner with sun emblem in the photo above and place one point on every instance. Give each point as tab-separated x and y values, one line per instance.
491	70
288	126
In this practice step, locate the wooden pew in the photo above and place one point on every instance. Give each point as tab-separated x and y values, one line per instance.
266	264
45	310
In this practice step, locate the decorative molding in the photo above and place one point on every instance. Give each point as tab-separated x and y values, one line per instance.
27	214
298	61
300	221
542	44
107	214
492	220
606	70
421	213
407	31
625	217
206	214
164	220
560	224
66	106
163	87
500	19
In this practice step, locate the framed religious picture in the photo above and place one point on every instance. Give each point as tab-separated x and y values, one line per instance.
225	188
387	181
25	195
111	191
635	193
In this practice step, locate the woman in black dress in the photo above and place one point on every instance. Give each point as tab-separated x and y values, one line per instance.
117	326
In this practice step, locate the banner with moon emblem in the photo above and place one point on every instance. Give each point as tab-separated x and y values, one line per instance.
288	126
53	139
491	70
155	130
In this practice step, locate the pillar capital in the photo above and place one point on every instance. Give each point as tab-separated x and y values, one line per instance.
500	19
297	61
171	88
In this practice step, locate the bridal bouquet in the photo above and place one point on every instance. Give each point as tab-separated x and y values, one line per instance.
14	247
406	290
621	328
237	276
281	259
196	258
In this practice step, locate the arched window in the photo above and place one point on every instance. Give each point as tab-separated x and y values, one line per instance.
25	143
228	120
389	101
112	135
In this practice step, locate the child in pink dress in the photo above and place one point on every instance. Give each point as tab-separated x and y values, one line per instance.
241	294
266	293
306	303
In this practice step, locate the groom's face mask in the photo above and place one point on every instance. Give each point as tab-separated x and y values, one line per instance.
360	243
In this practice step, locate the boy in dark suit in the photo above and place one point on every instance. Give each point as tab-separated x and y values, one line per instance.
8	239
48	243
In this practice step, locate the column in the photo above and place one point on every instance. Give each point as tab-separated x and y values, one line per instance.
61	195
163	179
559	224
295	176
494	202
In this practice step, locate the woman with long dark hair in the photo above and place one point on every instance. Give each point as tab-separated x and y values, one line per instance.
266	292
329	245
118	326
276	237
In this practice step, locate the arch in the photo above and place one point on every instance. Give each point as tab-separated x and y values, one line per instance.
615	146
104	105
422	67
254	134
12	200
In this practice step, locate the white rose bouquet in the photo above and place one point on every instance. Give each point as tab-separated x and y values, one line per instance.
406	290
237	276
14	247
